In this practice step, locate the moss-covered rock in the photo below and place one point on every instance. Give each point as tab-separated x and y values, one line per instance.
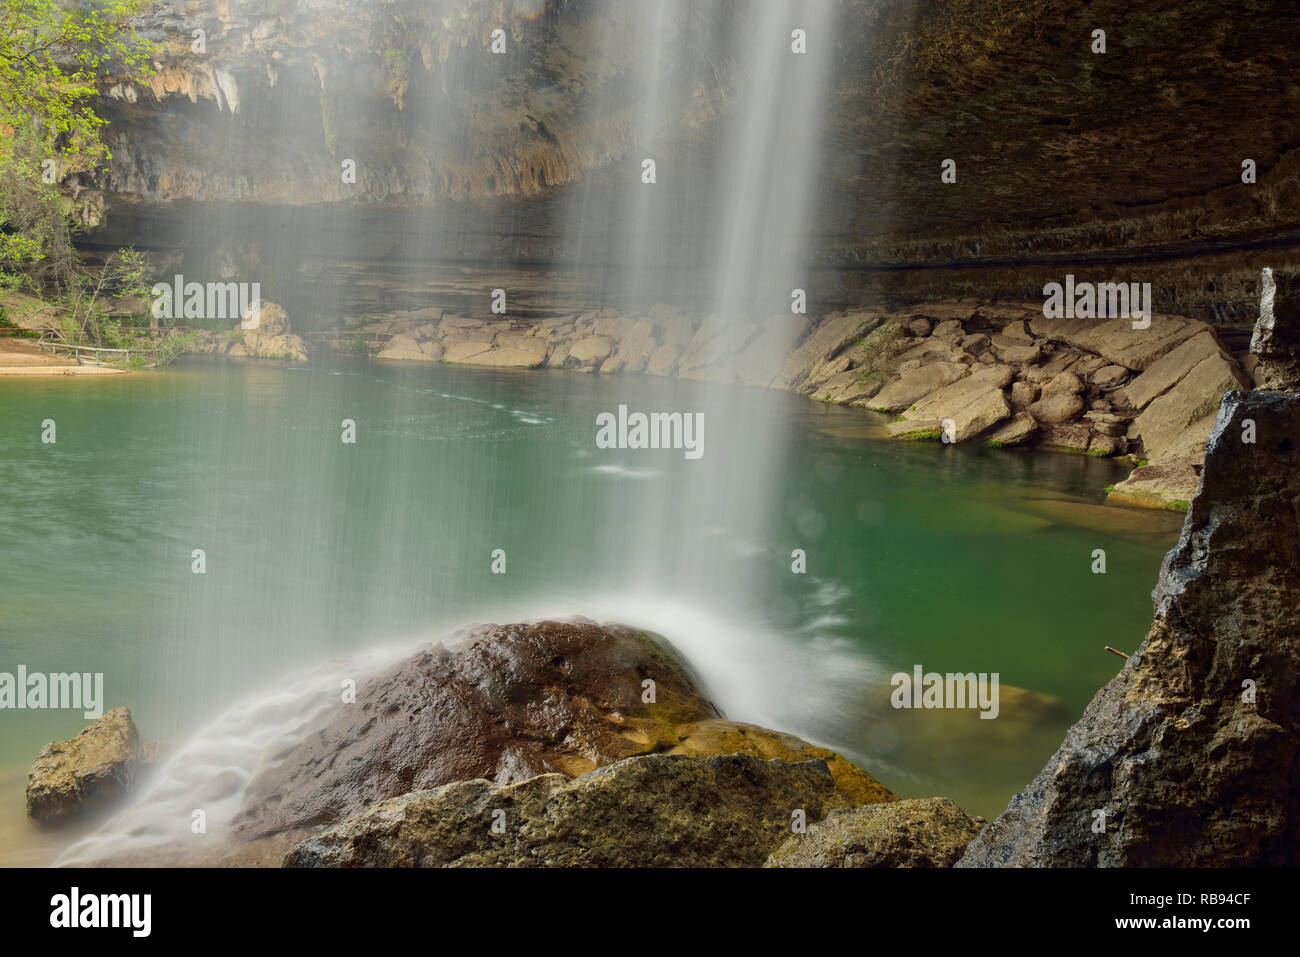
931	832
650	811
720	736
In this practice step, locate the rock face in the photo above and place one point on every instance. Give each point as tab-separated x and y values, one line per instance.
651	811
90	772
1192	753
514	702
1276	340
922	833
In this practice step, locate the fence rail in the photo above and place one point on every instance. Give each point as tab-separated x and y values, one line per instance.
92	355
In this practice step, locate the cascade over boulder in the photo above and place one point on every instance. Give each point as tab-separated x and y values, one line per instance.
510	703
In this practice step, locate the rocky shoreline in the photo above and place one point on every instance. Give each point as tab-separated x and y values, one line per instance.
1000	374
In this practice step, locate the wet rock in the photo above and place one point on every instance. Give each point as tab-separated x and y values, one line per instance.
932	832
1276	340
90	772
514	701
974	403
1165	484
720	736
651	811
1190	751
970	407
915	429
1068	437
851	385
1105	446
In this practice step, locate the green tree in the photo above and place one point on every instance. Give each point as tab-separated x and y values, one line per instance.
54	54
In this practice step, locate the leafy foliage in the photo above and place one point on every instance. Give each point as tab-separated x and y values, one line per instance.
52	56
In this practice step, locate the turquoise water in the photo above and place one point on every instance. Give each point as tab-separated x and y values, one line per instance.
957	559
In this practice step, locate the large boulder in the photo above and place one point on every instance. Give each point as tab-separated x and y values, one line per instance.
932	832
651	811
87	773
403	347
266	334
509	351
1167	371
1193	399
591	349
1188	756
266	319
512	702
831	335
972	405
1276	340
915	384
1057	408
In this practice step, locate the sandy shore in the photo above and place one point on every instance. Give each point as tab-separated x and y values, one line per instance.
21	357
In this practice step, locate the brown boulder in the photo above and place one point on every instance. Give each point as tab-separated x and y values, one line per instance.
92	771
513	702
